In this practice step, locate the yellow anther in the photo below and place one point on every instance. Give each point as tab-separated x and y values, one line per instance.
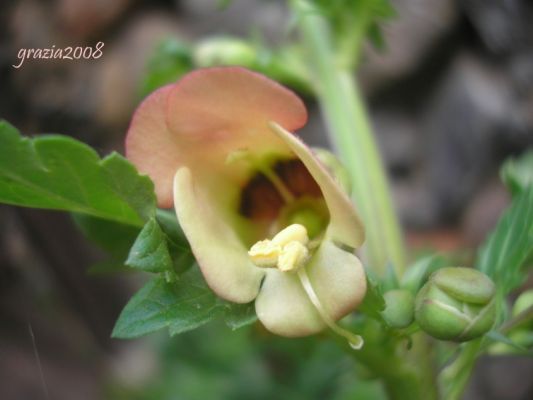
265	254
292	256
287	250
292	233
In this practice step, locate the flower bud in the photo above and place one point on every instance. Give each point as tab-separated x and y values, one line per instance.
522	303
220	51
456	304
335	167
399	308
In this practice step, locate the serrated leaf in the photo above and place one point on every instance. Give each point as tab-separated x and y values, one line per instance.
178	246
169	224
179	306
510	245
150	251
60	173
240	315
517	174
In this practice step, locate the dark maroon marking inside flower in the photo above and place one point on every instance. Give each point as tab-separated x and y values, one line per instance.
260	199
297	178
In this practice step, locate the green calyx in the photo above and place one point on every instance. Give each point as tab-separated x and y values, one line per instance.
456	304
399	308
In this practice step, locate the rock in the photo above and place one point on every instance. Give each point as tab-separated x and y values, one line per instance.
469	111
117	81
203	17
315	133
52	94
81	20
504	377
134	364
483	212
398	141
416	207
409	36
503	25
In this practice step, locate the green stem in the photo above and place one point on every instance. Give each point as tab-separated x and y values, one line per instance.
410	376
526	315
401	382
347	120
403	377
454	378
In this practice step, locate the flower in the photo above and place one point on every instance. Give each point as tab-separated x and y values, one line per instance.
218	148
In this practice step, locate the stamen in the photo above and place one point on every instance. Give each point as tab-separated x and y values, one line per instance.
289	251
292	257
280	186
265	169
265	254
286	251
292	233
355	341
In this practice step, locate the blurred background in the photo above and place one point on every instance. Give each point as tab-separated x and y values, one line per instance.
451	97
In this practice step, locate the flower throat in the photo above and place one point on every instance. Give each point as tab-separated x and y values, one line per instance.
290	249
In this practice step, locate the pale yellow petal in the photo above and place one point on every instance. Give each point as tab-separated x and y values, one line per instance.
337	278
222	257
345	225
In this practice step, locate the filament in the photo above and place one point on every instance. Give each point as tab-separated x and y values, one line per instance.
355	341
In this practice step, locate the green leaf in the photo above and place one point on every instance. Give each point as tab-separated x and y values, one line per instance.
240	315
375	35
161	247
171	60
417	274
179	306
390	280
373	303
60	173
496	336
169	224
510	245
113	237
517	174
150	251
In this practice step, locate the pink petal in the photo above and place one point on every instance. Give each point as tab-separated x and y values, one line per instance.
205	116
147	137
